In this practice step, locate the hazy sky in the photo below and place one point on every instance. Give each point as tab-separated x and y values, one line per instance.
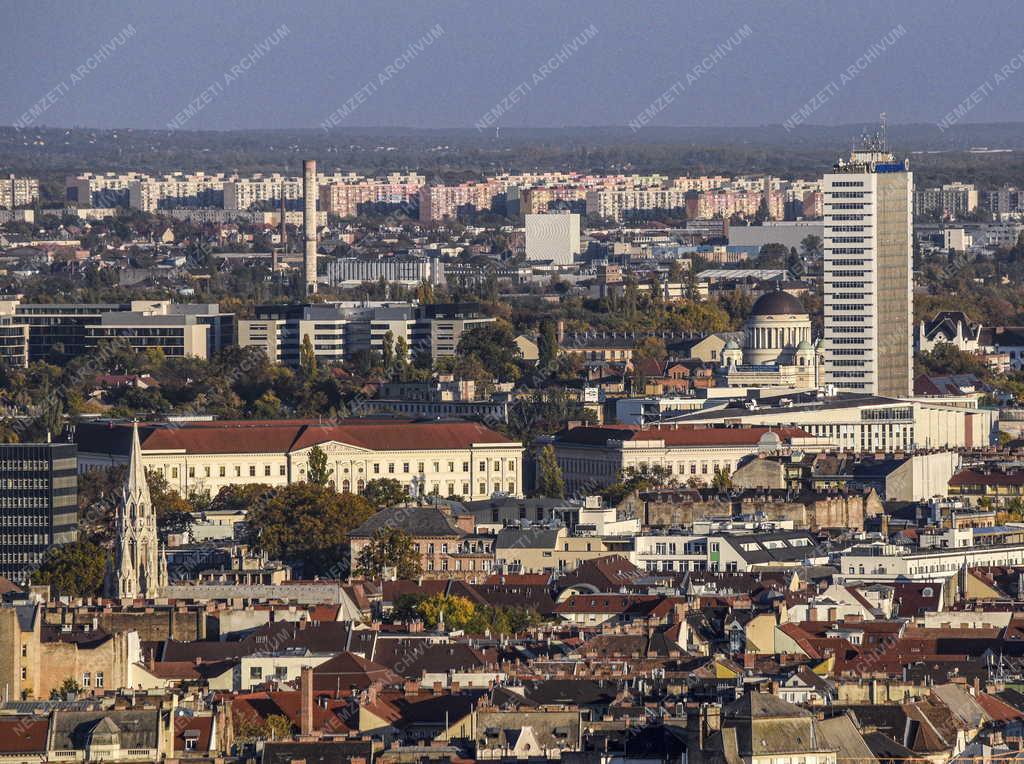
482	51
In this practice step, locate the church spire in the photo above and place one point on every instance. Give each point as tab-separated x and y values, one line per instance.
137	569
136	488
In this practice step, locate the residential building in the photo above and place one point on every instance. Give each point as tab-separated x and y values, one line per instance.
18	192
952	200
868	274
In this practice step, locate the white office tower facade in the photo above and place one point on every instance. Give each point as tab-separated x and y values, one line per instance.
553	236
868	274
310	193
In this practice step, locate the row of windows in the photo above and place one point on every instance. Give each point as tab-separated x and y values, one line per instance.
23	520
485	565
847	206
23	502
87	679
847	194
24	483
24	465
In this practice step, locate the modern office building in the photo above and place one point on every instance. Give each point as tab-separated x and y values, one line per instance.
868	274
554	237
281	329
13	343
67	330
38	504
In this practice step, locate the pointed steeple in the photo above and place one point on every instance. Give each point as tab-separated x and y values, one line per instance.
136	488
137	571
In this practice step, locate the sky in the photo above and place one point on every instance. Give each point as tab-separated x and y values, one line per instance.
218	65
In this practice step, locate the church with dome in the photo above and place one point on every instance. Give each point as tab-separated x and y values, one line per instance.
778	349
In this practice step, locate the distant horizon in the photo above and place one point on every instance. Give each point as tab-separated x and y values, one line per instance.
451	64
515	128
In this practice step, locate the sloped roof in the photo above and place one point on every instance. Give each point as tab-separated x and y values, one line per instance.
285	436
23	734
416	521
138	728
347	670
676	435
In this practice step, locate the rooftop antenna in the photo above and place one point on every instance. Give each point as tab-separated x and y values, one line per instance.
881	131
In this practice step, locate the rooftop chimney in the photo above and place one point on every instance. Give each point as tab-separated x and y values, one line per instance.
306	707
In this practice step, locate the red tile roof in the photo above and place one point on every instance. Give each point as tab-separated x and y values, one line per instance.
284	436
20	734
680	435
198	728
973	477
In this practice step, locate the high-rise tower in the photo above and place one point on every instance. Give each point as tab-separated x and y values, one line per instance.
138	569
868	274
310	192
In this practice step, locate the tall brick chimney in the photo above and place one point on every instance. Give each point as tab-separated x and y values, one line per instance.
306	709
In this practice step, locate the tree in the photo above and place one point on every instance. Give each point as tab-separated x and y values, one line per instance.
811	245
405	608
458	612
388	350
278	727
390	548
547	345
550	481
307	524
318	473
68	689
173	513
307	357
722	481
75	570
402	355
385	492
493	345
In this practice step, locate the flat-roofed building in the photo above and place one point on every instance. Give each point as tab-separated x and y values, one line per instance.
38	504
592	457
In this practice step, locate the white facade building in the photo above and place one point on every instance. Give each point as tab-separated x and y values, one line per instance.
868	275
554	237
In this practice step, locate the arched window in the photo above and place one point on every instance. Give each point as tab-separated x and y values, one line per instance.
345	486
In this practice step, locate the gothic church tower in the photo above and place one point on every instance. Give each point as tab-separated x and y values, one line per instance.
138	569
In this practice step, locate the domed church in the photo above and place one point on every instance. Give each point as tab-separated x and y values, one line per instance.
778	349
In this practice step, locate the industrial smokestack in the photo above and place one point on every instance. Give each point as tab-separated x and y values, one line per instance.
309	194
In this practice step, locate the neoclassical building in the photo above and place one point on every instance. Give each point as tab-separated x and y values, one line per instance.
436	457
778	348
